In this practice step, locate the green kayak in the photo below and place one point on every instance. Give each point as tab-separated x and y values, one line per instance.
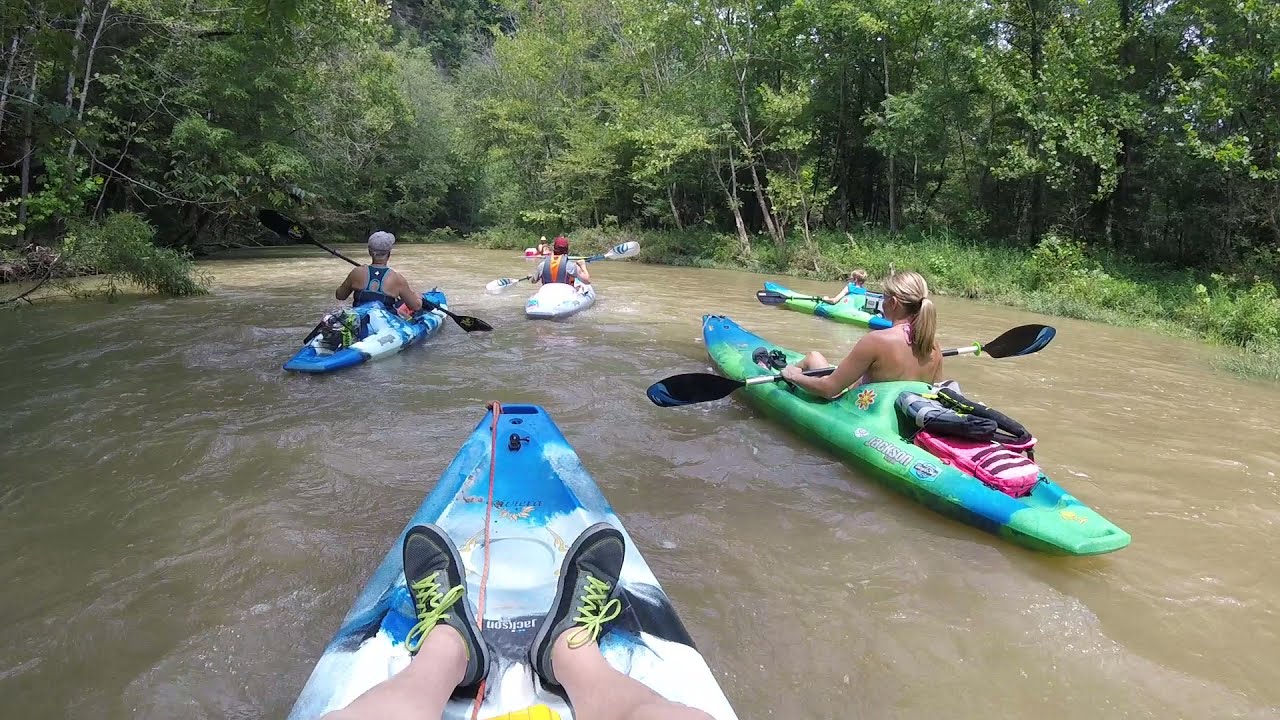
849	310
862	426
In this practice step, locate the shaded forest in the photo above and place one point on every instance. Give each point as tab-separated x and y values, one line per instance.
1150	129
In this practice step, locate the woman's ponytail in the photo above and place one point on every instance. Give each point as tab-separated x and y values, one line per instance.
910	289
923	339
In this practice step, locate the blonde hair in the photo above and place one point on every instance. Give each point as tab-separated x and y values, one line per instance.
910	289
858	276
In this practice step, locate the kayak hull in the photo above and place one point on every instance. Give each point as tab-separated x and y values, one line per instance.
848	310
862	427
538	499
555	301
388	335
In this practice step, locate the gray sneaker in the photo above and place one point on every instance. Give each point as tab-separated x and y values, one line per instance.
437	583
588	579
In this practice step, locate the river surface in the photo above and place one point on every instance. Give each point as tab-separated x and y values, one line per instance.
184	524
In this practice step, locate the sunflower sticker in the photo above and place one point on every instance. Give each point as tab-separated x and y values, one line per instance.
865	398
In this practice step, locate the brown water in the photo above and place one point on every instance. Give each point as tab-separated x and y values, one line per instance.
184	524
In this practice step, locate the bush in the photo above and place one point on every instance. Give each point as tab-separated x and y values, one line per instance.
1231	314
1055	259
122	246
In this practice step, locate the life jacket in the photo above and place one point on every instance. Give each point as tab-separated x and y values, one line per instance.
555	269
985	443
377	274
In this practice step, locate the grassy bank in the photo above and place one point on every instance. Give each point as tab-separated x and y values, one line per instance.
1058	277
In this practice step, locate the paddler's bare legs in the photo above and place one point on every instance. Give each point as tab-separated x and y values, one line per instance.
418	692
814	361
599	692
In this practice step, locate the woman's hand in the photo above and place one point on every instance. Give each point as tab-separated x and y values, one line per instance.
827	300
791	372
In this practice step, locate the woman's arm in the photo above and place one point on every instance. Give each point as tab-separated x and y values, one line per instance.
854	366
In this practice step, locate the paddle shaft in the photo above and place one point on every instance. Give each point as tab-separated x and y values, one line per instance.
593	258
464	321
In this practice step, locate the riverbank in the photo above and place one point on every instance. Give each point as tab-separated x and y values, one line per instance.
1058	277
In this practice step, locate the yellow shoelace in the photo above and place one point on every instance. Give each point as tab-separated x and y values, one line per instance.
594	613
431	606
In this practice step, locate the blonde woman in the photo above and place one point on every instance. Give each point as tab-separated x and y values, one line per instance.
906	351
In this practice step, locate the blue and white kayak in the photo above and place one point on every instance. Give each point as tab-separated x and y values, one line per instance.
381	333
554	301
513	526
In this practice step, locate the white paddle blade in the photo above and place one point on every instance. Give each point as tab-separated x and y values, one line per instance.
496	286
625	250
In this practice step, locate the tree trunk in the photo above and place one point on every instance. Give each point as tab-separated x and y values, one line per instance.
1035	206
1119	202
88	70
75	50
770	222
731	199
671	198
12	57
26	154
893	178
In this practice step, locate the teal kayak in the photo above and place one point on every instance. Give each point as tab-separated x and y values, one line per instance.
513	500
863	427
849	310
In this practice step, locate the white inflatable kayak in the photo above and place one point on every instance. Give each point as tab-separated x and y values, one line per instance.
559	300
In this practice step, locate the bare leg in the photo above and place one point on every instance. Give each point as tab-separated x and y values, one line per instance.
814	361
599	692
418	692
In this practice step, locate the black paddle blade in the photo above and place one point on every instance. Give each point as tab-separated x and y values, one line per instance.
769	297
472	324
1022	340
281	225
690	388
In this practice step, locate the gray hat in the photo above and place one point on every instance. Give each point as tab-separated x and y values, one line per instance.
381	242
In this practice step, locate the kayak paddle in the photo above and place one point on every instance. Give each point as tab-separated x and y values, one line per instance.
690	388
624	250
773	297
284	227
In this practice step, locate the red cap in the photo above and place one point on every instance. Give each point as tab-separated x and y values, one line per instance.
561	243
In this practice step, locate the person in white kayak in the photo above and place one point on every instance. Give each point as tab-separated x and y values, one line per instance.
560	268
450	653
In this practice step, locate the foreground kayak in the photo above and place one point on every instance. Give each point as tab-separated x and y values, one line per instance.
518	515
381	333
862	426
559	300
848	310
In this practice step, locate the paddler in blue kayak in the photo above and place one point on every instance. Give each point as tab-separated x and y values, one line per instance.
857	284
560	268
906	351
450	653
376	282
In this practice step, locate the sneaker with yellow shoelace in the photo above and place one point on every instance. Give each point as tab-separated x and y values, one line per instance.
437	583
588	579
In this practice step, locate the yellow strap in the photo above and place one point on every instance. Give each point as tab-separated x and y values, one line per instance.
537	712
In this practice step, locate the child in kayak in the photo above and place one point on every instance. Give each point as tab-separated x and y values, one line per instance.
450	653
376	282
857	284
906	351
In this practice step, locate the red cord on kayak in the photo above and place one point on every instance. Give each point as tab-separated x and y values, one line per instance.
494	407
